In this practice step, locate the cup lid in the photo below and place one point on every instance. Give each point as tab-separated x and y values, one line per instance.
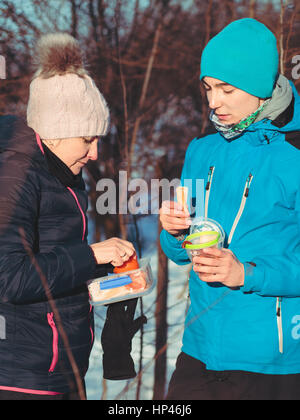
206	243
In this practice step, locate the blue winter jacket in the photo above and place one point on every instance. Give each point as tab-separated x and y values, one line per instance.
253	191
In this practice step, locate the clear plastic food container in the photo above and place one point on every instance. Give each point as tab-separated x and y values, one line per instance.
123	286
204	233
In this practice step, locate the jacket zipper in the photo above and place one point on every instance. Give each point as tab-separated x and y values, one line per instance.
50	315
54	342
241	209
91	329
208	188
39	142
83	236
242	206
234	226
279	323
81	211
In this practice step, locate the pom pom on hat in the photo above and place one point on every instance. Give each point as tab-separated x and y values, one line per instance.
58	54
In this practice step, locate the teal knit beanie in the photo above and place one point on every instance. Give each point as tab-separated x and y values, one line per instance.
244	54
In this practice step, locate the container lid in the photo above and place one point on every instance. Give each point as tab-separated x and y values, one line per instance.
114	283
202	224
190	243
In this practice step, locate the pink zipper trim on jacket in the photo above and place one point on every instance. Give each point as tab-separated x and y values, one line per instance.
92	335
54	343
28	391
91	329
81	211
50	316
39	142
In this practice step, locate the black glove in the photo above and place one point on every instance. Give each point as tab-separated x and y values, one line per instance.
103	270
118	332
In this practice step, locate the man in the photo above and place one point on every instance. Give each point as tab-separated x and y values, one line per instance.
238	341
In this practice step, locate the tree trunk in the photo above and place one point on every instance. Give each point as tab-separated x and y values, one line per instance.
160	368
252	8
281	47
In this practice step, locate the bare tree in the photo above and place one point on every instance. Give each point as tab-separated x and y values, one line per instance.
145	57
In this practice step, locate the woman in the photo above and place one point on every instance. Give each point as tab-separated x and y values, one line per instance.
45	260
240	338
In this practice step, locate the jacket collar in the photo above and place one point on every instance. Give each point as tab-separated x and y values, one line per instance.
286	116
267	131
17	137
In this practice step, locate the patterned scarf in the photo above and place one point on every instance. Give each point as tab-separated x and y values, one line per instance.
233	130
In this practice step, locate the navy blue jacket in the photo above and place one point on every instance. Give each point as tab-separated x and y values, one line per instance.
42	240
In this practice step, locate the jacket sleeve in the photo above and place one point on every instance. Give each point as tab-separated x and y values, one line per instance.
275	275
170	245
173	248
21	266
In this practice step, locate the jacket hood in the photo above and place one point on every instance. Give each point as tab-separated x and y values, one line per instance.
17	137
267	131
294	123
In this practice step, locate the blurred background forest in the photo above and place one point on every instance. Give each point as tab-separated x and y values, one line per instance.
144	56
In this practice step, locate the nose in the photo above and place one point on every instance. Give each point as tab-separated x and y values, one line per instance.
93	152
214	99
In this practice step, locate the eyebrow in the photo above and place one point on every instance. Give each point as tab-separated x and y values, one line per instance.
218	84
90	138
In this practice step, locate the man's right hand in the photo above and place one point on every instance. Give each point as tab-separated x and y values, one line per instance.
174	218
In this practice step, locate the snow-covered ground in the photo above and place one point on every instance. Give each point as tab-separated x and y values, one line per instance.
177	304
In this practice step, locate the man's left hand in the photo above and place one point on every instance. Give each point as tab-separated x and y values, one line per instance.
219	265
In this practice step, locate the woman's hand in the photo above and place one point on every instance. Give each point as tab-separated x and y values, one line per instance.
174	218
114	251
219	265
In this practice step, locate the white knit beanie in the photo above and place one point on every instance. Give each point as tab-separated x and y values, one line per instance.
64	101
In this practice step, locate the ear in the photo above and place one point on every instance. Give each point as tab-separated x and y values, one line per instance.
52	144
261	101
